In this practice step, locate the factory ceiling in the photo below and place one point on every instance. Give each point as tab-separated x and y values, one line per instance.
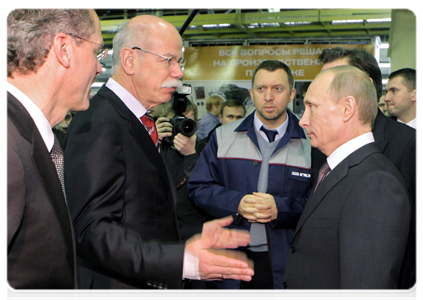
258	24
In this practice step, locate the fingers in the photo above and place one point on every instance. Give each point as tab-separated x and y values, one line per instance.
225	264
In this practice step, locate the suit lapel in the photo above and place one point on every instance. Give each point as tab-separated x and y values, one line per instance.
45	167
331	180
139	134
379	131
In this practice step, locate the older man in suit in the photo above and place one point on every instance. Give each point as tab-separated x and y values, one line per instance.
119	190
42	87
353	231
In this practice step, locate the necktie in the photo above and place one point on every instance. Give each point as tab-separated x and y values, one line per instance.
323	172
151	127
269	133
58	160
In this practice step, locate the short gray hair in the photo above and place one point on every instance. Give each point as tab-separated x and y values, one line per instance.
351	81
30	34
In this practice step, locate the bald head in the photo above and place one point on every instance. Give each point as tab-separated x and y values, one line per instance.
143	31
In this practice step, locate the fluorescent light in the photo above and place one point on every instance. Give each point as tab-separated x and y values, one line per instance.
384	46
342	22
381	20
97	84
384	65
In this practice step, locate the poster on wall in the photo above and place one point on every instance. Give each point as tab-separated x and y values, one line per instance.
228	70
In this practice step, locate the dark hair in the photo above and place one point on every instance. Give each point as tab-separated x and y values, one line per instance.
30	34
358	58
271	66
231	103
408	75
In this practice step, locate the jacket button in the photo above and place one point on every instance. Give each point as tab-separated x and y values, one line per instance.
292	249
285	286
255	163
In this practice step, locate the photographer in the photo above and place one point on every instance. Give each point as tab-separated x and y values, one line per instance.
178	152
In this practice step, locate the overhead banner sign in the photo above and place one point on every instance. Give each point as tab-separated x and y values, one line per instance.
239	62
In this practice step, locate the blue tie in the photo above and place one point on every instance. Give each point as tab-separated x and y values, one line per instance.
269	133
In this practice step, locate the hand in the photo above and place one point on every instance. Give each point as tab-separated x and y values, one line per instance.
217	264
185	145
164	128
258	207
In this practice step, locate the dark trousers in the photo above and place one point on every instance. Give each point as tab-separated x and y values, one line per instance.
260	287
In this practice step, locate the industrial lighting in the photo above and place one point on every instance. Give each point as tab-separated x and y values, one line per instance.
380	20
216	25
343	22
384	46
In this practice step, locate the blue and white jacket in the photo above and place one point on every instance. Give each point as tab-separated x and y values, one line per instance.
229	168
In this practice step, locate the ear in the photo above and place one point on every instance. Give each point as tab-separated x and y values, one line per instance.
62	47
349	108
413	96
127	60
292	96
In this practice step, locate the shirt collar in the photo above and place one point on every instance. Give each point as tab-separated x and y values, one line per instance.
281	129
349	147
36	114
127	98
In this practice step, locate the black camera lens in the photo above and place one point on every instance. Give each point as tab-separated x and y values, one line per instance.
185	126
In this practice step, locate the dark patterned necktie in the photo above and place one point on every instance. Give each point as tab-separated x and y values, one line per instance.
323	172
269	133
58	160
149	124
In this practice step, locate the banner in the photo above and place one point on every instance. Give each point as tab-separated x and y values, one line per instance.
239	62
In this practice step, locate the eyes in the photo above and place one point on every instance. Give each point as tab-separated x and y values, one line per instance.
276	89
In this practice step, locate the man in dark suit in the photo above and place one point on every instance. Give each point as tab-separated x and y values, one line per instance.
42	88
353	231
119	190
395	140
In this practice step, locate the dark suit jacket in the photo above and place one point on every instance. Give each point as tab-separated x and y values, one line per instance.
121	200
353	231
40	246
397	142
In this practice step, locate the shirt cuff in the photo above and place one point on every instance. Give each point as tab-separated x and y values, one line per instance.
191	268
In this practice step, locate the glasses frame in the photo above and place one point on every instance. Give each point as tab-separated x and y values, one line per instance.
181	62
102	53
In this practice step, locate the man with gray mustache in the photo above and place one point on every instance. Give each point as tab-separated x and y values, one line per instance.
120	195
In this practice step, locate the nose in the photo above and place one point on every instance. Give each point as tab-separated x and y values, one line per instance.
177	71
304	119
268	96
99	68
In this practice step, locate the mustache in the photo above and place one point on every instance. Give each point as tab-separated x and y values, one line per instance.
172	83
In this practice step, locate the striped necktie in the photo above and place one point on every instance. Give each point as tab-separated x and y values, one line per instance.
149	124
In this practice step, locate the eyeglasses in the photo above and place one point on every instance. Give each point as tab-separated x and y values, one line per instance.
101	54
170	61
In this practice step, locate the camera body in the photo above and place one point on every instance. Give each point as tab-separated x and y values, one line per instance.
180	123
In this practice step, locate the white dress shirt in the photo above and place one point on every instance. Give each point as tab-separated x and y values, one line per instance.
349	147
36	114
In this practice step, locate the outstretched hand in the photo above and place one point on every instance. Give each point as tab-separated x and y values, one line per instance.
218	264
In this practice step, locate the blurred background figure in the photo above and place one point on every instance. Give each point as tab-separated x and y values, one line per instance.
61	128
211	118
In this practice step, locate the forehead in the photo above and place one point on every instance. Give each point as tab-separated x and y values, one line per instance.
339	62
396	81
233	110
319	85
265	77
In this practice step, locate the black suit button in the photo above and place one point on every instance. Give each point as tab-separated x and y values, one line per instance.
292	249
285	286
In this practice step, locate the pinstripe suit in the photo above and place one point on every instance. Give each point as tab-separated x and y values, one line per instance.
353	231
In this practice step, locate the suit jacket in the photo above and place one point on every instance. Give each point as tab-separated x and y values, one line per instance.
353	231
397	142
40	245
121	200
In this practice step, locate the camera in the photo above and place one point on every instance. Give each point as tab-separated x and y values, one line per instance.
180	123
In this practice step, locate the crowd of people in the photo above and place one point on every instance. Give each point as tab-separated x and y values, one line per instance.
256	198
